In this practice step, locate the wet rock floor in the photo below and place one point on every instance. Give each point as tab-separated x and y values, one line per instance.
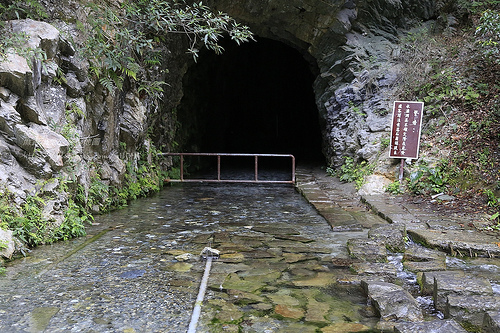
139	270
283	268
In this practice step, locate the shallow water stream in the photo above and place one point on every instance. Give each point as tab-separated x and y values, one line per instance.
139	270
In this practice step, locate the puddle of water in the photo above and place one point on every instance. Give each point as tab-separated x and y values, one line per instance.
274	275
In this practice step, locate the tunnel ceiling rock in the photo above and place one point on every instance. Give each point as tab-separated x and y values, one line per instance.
355	46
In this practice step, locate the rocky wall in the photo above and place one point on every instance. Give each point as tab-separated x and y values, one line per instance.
355	45
57	125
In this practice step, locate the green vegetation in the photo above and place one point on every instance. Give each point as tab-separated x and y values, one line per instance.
459	85
425	180
125	44
20	9
33	228
143	178
356	109
17	9
494	203
351	171
395	188
461	133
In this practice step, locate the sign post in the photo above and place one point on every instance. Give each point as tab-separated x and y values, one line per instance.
405	131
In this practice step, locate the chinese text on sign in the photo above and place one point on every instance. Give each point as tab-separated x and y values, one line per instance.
406	126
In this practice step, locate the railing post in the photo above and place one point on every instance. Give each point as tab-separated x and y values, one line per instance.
182	167
218	167
293	169
256	168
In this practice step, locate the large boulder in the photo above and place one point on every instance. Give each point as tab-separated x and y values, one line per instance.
41	35
392	301
16	75
36	138
132	120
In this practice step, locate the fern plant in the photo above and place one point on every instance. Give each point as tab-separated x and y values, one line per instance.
124	44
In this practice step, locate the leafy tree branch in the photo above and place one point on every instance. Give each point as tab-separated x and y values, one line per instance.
125	43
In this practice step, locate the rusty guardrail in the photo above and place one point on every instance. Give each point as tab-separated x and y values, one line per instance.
220	180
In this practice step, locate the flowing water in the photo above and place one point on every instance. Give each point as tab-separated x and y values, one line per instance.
139	269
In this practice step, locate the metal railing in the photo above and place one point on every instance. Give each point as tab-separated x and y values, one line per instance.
220	180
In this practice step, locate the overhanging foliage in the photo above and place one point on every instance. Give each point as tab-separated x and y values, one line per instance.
125	43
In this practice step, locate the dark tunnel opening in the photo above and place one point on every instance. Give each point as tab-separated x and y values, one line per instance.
254	98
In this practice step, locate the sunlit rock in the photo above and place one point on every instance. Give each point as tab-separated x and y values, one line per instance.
53	146
16	75
7	245
374	184
40	35
392	301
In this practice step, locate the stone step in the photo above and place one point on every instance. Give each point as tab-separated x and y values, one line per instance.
471	308
390	211
392	301
455	283
458	242
366	249
393	236
435	326
338	218
386	272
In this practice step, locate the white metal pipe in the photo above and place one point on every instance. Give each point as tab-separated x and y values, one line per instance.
199	300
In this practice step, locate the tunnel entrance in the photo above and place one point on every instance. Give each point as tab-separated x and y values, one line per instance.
254	98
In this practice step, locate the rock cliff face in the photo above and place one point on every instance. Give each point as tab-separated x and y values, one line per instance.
57	123
355	46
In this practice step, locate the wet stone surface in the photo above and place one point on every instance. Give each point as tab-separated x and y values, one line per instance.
440	260
441	326
139	270
283	267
